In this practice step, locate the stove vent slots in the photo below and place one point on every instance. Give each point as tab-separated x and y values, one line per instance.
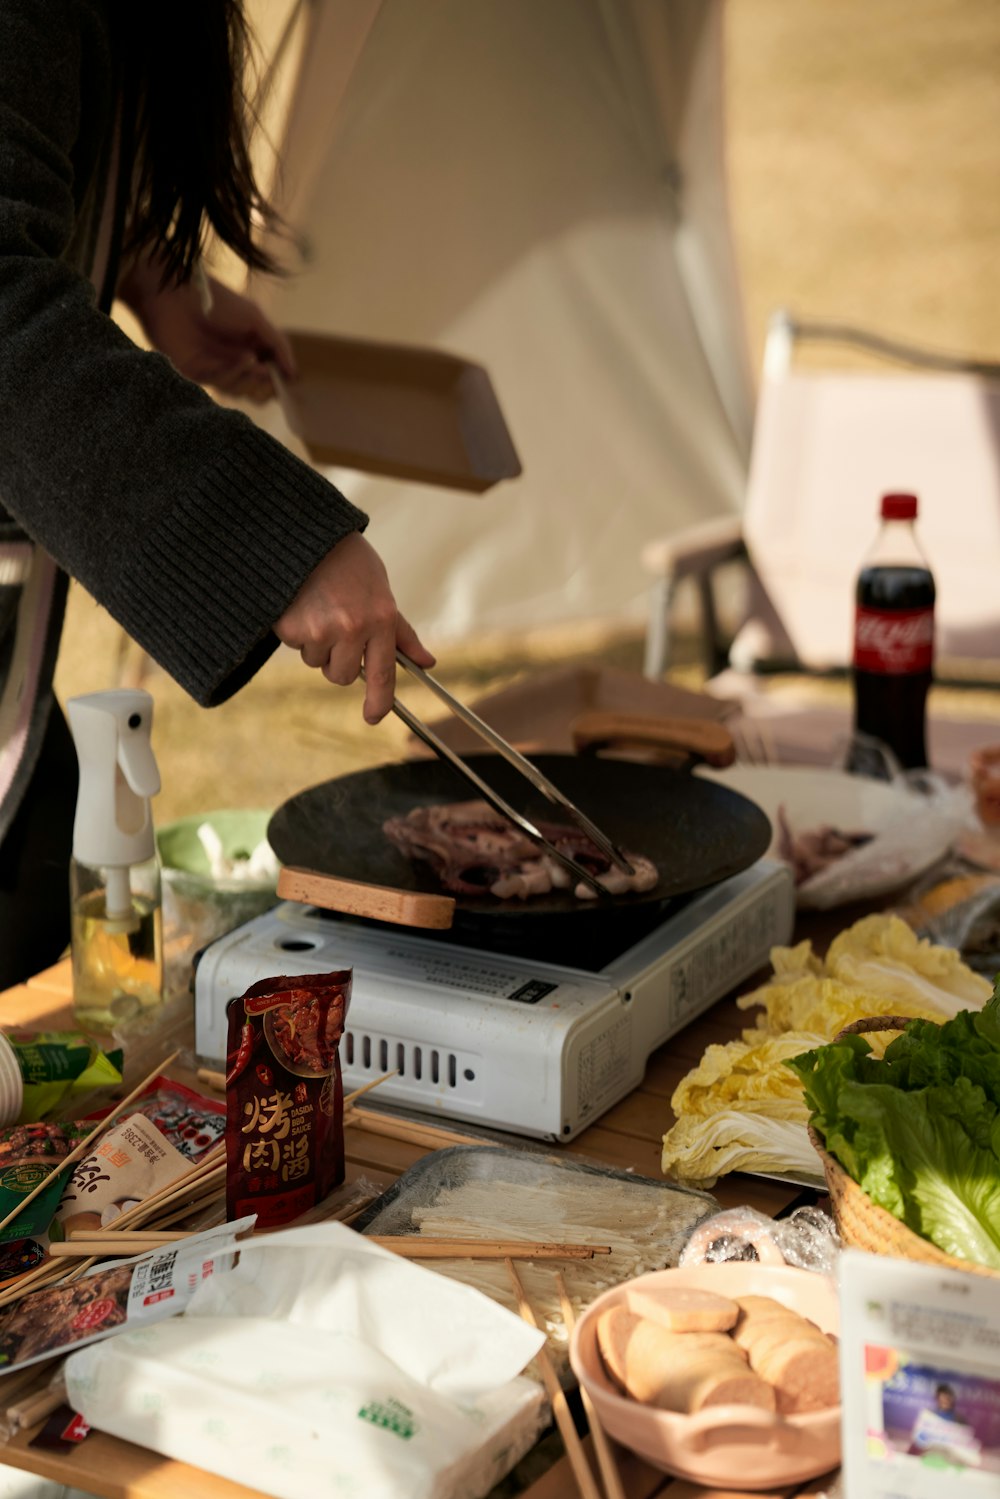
420	1067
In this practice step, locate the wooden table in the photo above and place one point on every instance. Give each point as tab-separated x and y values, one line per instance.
628	1136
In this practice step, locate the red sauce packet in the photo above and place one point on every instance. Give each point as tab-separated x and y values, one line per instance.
285	1096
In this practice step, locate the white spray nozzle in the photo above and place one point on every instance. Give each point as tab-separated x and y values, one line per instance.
135	753
118	775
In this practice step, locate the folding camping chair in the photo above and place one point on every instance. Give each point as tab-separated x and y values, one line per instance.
827	443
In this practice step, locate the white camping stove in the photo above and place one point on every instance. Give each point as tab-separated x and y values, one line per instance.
510	1042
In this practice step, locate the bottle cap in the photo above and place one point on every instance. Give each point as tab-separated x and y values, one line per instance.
899	507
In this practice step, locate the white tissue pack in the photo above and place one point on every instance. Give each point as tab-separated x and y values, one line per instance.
325	1365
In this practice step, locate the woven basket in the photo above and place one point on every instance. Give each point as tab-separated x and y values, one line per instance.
862	1224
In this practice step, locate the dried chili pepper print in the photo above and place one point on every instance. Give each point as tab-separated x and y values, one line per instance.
244	1052
285	1114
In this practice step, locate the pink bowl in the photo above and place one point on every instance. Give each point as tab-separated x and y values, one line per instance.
723	1445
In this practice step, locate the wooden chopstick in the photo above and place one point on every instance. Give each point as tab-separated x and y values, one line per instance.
585	1480
16	1381
134	1234
602	1446
424	1247
118	1245
36	1407
84	1144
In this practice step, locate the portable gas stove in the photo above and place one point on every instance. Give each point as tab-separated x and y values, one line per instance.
508	1040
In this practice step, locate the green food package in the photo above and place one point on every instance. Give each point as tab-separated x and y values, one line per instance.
58	1066
28	1154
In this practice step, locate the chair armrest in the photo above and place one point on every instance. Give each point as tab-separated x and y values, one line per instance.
695	552
696	549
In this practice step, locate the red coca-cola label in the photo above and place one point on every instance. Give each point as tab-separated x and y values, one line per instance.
895	642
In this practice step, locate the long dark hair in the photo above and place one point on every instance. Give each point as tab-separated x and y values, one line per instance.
186	88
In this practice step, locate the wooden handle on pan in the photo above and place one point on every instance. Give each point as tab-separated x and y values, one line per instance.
703	737
353	898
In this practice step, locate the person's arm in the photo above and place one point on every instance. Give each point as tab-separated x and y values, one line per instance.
334	624
195	529
229	344
344	614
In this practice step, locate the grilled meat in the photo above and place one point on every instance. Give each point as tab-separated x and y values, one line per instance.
475	851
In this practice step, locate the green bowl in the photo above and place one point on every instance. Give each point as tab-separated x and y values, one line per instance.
185	863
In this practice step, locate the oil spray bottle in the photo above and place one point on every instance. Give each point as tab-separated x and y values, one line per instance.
117	941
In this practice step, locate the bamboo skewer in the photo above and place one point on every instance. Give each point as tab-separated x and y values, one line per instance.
585	1480
424	1247
430	1135
217	1080
349	1215
214	1198
376	1082
175	1211
208	1175
602	1446
34	1280
81	1269
195	1185
79	1150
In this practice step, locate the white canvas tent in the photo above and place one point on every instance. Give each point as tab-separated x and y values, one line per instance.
537	185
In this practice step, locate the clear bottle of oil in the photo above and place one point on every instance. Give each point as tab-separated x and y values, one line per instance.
116	920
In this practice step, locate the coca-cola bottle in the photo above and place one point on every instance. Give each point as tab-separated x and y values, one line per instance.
894	637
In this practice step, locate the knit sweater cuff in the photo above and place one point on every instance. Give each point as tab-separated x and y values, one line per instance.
249	532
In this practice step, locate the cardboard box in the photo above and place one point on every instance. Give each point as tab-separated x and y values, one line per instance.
538	712
398	410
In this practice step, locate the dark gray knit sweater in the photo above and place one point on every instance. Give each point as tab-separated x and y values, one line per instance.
191	526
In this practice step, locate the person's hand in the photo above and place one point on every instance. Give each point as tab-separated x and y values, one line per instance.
231	347
344	617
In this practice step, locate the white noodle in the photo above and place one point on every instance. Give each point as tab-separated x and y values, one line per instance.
646	1228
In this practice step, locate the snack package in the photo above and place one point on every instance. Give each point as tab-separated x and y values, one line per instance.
191	1122
123	1168
28	1154
735	1234
807	1239
58	1065
959	907
111	1299
285	1096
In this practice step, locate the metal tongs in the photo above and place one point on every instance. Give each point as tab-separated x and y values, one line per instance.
527	769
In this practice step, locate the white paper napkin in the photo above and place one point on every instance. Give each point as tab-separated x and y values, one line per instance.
323	1364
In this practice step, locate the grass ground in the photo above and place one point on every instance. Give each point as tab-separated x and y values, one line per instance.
865	160
864	164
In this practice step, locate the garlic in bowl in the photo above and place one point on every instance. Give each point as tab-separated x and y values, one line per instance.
744	1353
